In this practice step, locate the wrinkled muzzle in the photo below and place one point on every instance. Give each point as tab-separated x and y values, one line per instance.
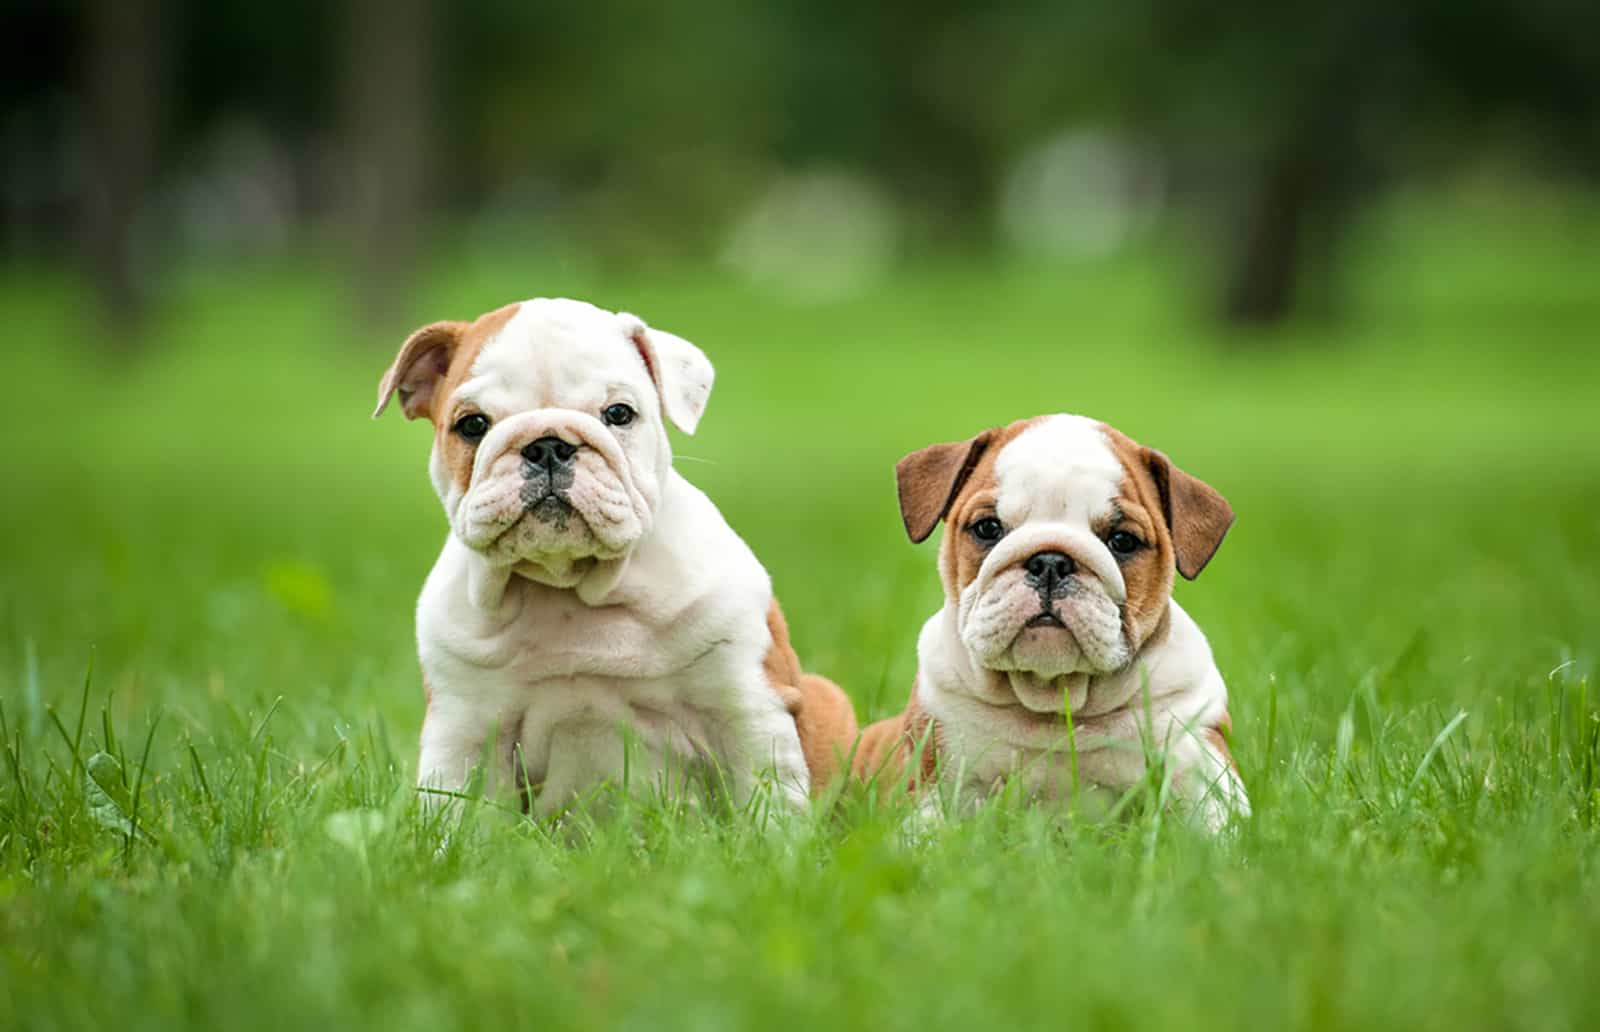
552	484
1061	619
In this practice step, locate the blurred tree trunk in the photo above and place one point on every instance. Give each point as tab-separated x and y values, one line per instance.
1284	248
387	92
1267	245
121	69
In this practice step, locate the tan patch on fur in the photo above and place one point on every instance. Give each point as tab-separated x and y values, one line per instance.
928	480
932	481
959	555
1180	518
429	367
1218	737
1148	573
477	334
1194	516
823	715
458	453
781	664
889	747
949	482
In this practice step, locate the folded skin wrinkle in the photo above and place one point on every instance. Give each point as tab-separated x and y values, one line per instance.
1062	537
587	595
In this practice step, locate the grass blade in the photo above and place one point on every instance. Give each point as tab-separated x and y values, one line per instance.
1433	749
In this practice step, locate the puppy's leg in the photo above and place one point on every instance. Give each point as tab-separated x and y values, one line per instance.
1206	780
595	752
454	736
1225	787
760	742
1113	751
878	752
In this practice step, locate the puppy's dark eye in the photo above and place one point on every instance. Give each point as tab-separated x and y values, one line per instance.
1123	543
617	415
988	530
472	427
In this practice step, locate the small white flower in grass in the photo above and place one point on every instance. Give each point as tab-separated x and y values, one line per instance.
354	829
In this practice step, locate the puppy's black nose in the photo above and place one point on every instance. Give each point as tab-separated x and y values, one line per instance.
1047	570
550	452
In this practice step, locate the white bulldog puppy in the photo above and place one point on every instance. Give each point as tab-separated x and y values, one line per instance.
1061	539
592	617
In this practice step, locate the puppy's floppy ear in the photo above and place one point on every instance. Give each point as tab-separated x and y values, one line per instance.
1197	515
681	372
421	364
929	480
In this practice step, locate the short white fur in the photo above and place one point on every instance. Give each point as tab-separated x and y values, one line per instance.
550	651
999	694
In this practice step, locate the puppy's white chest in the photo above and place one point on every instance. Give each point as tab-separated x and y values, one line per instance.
537	635
574	736
985	758
642	691
1061	770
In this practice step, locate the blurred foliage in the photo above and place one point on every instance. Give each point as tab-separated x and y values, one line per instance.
635	132
235	547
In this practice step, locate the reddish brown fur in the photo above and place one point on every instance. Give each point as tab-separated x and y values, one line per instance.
1219	742
1148	574
1181	519
436	359
944	481
888	747
1197	516
959	555
822	712
432	363
458	453
1218	737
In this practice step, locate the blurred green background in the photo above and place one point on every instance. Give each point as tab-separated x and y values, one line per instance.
1341	263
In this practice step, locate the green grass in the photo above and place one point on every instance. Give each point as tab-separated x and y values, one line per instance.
220	545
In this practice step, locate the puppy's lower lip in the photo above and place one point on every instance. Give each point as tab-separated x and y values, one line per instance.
551	502
1046	619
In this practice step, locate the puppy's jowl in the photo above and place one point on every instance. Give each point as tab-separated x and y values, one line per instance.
1061	539
591	612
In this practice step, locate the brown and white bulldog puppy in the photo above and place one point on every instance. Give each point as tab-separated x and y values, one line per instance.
1061	539
592	616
